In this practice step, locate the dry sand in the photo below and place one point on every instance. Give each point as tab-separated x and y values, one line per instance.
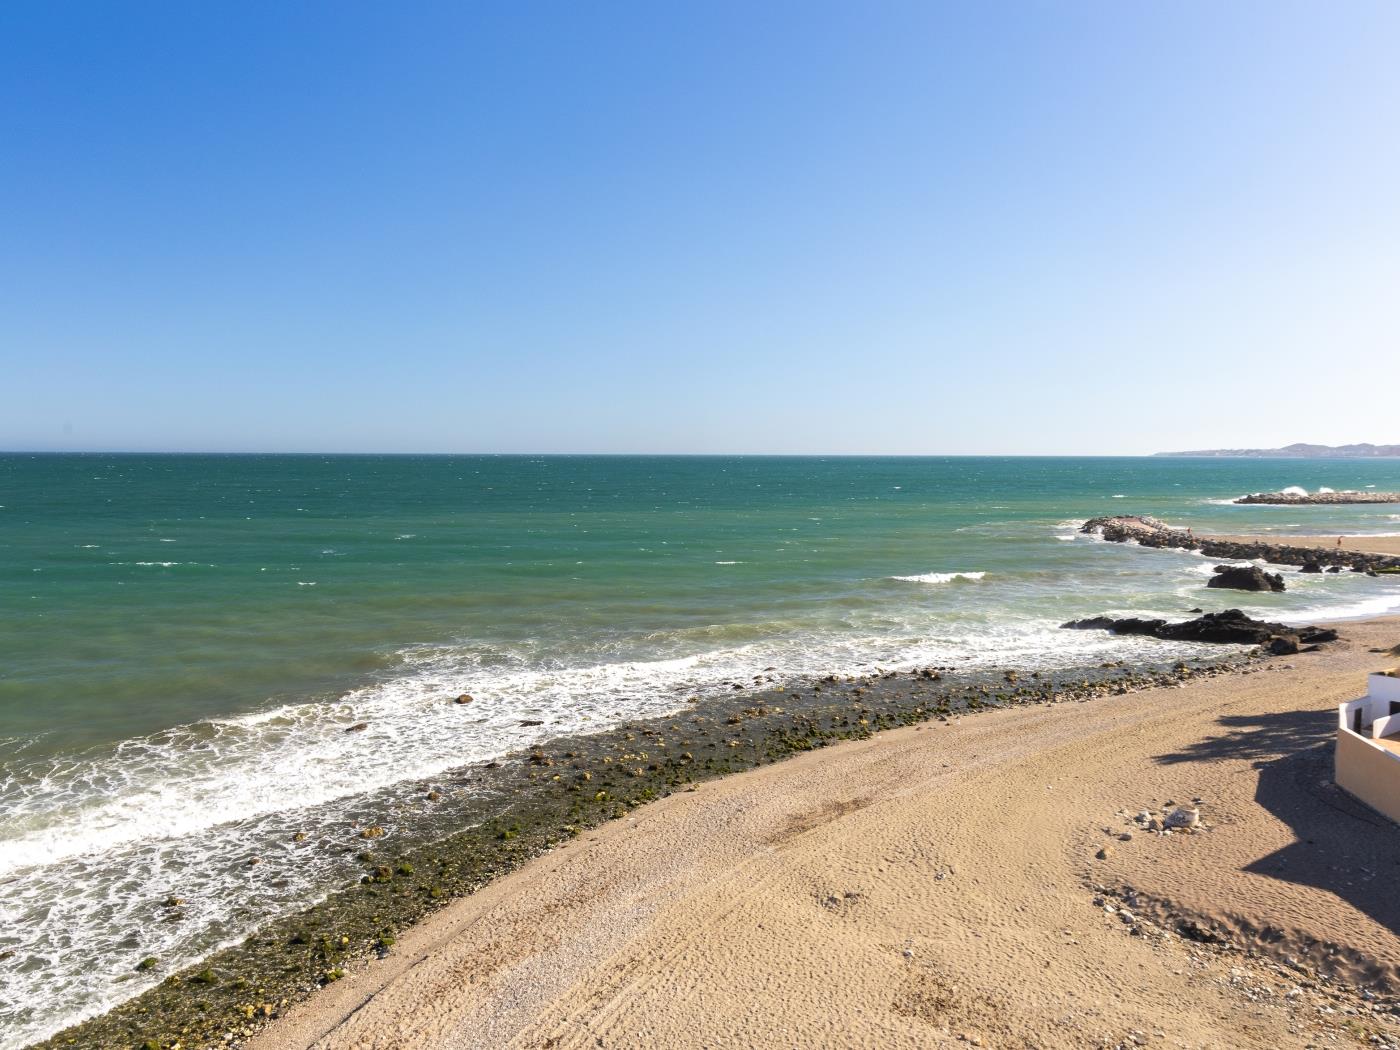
1365	544
938	885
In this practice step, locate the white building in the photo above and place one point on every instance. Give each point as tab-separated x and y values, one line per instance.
1368	745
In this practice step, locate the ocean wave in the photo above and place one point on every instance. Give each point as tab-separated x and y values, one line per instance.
940	577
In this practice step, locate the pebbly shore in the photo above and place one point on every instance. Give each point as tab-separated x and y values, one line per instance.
507	812
1151	532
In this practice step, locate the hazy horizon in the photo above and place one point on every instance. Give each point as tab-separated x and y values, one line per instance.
680	453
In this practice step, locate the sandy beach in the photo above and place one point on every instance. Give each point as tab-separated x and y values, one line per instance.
942	885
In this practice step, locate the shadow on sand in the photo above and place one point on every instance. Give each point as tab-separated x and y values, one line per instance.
1340	845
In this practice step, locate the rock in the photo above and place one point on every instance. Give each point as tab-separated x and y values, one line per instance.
358	727
375	832
1283	644
1127	625
530	722
465	698
1310	566
1104	853
1231	627
1334	568
1181	817
1245	578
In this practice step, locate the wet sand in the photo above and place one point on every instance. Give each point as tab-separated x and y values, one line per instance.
941	884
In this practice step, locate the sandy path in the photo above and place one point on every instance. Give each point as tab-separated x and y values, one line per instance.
1364	544
930	884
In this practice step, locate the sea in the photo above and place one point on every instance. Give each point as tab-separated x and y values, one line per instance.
184	639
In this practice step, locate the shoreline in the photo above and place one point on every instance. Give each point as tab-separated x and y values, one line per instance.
531	803
895	890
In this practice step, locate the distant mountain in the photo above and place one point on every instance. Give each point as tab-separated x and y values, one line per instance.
1300	451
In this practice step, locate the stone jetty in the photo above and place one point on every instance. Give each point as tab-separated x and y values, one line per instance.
1291	499
1151	532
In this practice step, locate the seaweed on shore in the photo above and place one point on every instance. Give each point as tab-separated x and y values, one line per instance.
537	799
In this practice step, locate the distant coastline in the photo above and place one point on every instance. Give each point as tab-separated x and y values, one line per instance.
1298	450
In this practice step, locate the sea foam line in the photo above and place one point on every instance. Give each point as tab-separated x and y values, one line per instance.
940	577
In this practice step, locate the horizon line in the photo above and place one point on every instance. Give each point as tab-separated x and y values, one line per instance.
696	455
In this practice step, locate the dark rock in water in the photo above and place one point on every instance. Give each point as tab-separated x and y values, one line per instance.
465	698
1335	568
1195	610
1245	578
1231	627
1310	566
358	727
1283	644
1093	623
1128	625
530	722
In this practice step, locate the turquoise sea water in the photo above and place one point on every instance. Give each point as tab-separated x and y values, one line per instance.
183	639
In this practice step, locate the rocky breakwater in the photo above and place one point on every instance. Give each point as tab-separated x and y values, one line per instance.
1231	627
1151	532
1292	499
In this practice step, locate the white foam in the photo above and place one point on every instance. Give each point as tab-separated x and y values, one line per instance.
940	577
1360	608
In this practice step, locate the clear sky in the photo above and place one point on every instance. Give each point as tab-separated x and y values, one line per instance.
1061	227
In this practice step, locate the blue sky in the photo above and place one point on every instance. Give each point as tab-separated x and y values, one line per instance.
705	227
